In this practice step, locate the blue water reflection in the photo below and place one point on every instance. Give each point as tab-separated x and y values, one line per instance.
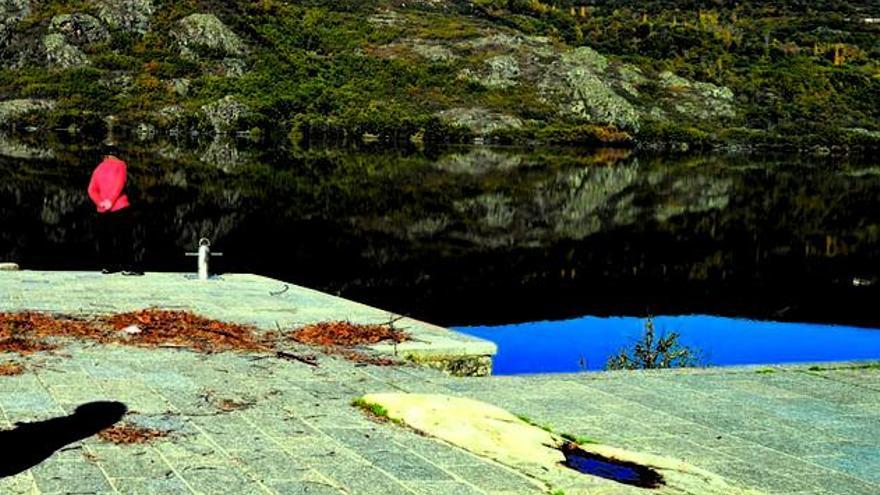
586	343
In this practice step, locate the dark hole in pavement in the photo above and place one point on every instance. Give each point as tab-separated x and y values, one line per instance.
29	444
628	473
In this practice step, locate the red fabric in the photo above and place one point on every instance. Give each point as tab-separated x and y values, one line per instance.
107	183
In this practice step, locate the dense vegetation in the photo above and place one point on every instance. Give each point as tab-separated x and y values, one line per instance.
801	72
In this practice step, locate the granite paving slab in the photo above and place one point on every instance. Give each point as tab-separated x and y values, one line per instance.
264	302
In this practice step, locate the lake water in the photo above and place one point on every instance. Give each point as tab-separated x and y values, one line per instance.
585	344
480	236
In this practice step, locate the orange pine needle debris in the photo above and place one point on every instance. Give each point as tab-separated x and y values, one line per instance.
344	333
127	435
11	369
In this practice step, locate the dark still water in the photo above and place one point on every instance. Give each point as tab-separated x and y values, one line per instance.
479	236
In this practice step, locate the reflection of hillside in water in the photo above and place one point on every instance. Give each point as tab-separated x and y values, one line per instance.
475	234
572	203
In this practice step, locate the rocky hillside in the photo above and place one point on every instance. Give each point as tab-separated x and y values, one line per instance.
606	71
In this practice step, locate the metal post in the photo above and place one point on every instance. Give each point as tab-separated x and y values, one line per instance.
204	254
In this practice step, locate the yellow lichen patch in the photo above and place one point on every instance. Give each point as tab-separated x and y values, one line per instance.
479	427
492	432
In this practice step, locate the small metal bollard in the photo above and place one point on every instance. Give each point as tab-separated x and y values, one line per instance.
204	255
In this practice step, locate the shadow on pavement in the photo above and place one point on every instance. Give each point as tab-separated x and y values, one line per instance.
29	444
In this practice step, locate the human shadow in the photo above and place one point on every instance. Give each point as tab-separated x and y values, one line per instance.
29	444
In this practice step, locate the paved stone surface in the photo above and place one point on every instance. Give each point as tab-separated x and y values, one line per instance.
784	430
262	301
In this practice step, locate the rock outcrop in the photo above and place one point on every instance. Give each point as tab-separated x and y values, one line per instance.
11	109
500	71
128	15
697	99
201	33
434	52
61	54
576	86
11	12
224	113
14	9
480	121
580	84
79	29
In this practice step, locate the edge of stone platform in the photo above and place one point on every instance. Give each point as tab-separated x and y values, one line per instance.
804	367
432	346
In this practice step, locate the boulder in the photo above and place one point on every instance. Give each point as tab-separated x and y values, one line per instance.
14	9
500	71
386	17
479	120
118	81
429	50
580	84
433	51
205	32
180	86
697	99
10	109
173	119
231	67
11	12
509	43
9	267
79	29
61	54
128	15
224	113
